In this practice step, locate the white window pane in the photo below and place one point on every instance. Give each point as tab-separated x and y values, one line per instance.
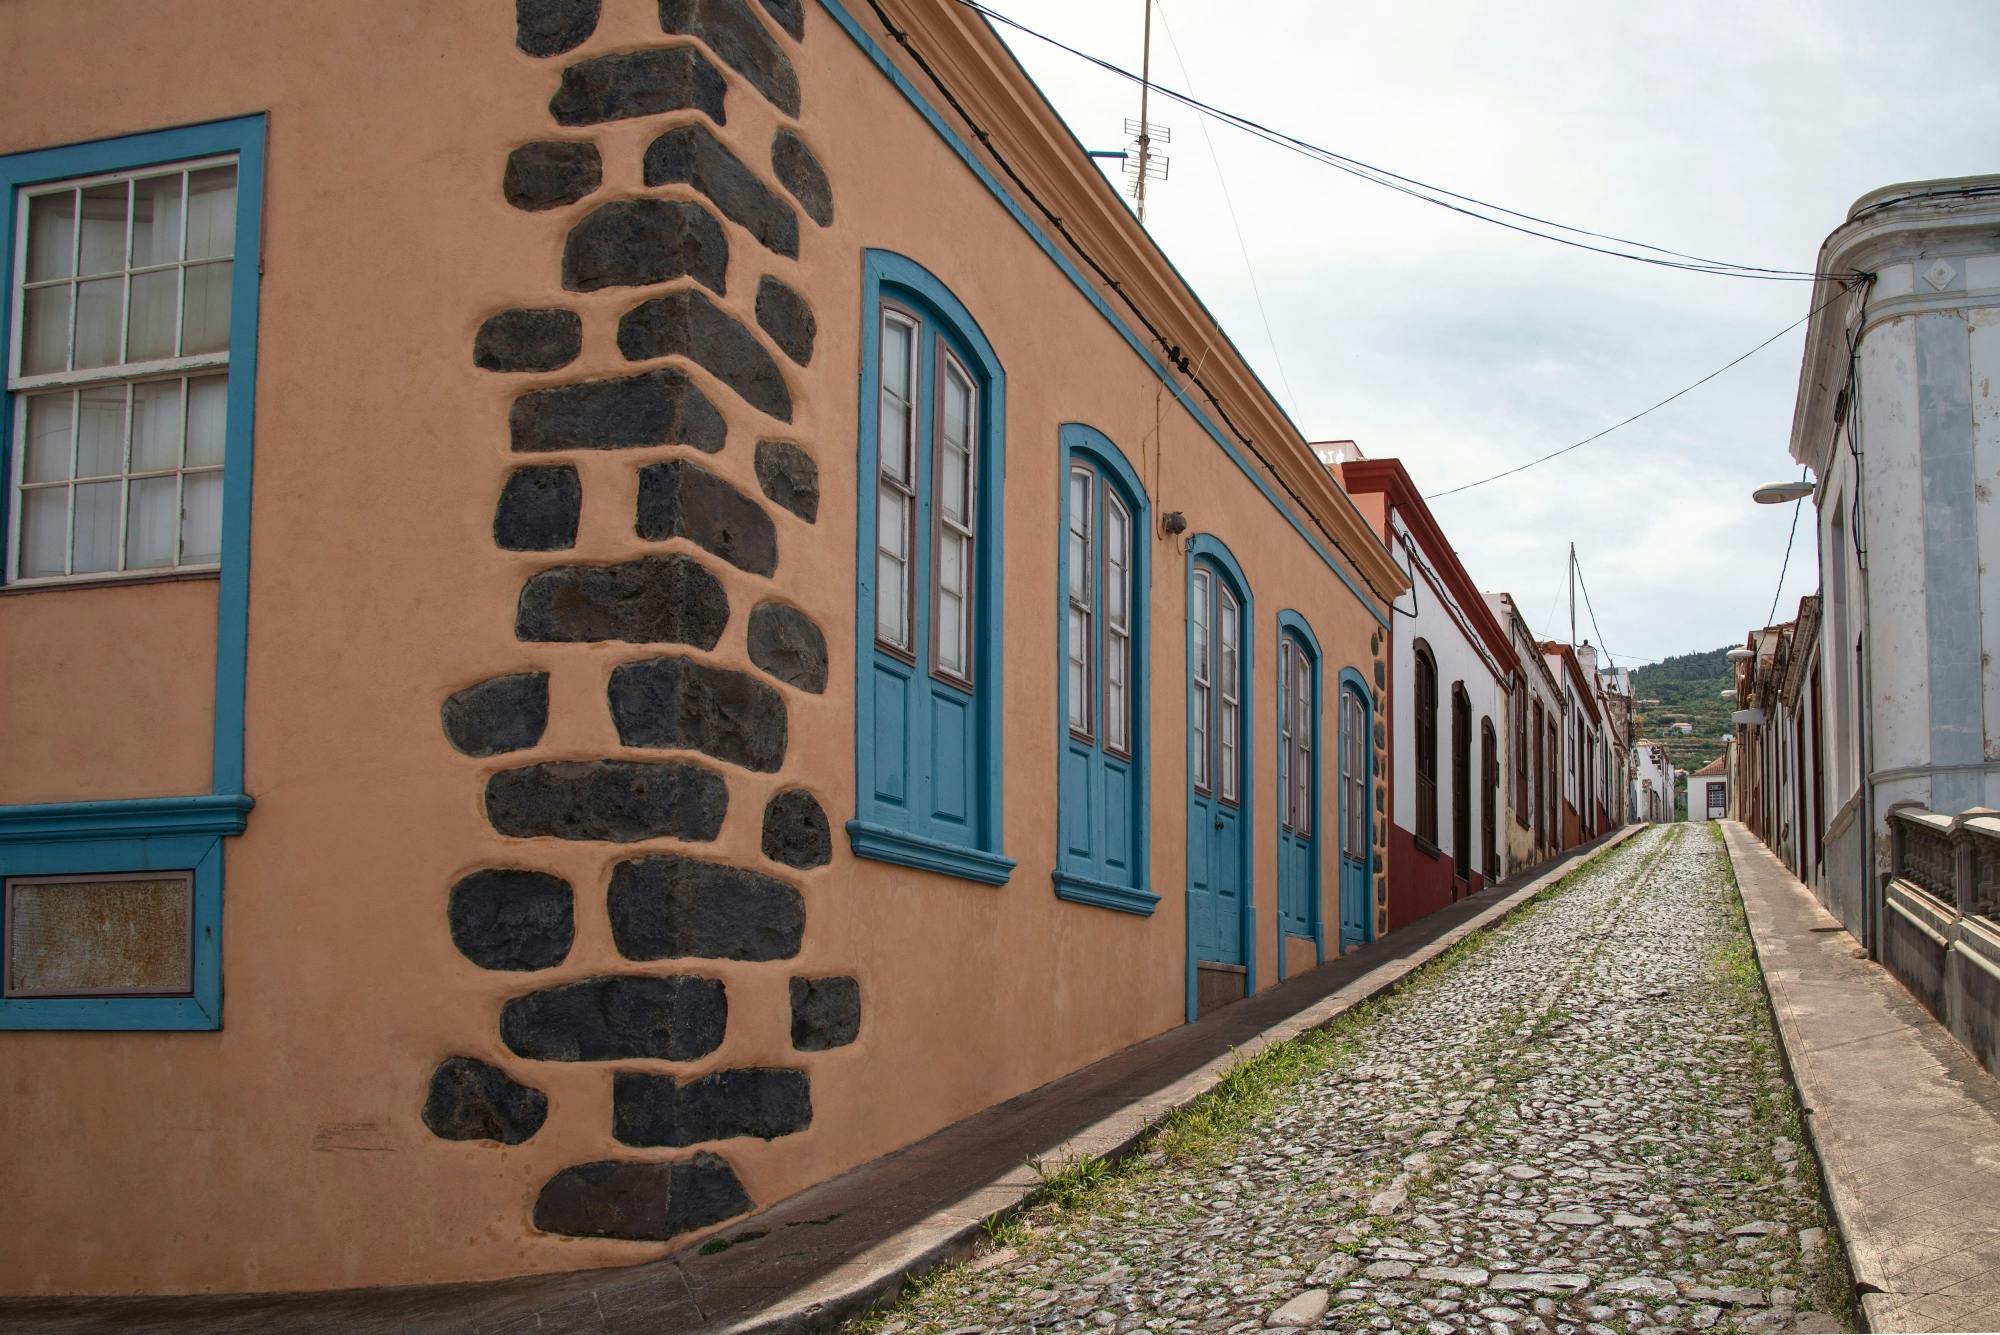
208	413
1201	736
893	437
201	518
155	315
205	308
891	592
1079	568
156	220
211	221
47	437
44	531
51	236
99	305
896	356
45	336
156	426
951	632
892	523
952	476
100	435
152	518
957	409
1079	708
93	542
103	244
955	564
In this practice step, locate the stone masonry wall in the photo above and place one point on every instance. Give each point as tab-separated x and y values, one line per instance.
712	373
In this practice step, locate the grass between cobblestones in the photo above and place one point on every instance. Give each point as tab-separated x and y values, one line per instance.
1206	1128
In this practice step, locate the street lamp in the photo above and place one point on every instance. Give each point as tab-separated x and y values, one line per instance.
1777	493
1741	655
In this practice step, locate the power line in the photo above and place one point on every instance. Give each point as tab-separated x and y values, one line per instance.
1468	205
1578	567
1771	617
1685	389
1174	354
1242	245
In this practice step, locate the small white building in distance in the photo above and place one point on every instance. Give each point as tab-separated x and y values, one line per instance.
1708	791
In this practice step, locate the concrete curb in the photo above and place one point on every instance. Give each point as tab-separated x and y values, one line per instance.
1840	1194
953	1234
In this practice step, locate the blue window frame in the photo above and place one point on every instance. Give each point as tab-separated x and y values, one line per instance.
927	590
164	834
1102	782
1298	718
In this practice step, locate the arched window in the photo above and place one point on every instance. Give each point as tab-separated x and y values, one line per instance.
1489	800
927	691
1298	716
1102	783
1461	780
1427	745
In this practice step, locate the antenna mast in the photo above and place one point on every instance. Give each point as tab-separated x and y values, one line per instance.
1145	87
1142	163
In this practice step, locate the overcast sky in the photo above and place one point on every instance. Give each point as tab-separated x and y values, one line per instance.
1737	131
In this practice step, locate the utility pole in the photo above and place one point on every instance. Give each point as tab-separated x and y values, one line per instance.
1572	593
1145	130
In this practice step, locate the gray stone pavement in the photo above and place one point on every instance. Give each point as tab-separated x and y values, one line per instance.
1906	1124
1580	1128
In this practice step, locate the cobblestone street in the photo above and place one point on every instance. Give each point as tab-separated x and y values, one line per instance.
1579	1124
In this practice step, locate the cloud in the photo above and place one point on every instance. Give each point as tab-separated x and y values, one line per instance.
1737	132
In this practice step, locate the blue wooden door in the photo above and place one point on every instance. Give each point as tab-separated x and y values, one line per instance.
1356	921
1298	788
1217	831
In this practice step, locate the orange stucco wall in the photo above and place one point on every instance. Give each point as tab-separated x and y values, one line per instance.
108	691
285	1151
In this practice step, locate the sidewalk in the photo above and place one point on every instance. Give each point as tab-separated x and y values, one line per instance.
830	1252
1905	1123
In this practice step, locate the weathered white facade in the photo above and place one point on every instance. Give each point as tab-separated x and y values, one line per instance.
1534	711
1899	425
1652	776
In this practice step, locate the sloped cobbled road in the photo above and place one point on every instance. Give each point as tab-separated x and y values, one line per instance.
1579	1126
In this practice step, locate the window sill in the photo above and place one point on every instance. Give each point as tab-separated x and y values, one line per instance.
1103	894
883	844
1426	847
110	581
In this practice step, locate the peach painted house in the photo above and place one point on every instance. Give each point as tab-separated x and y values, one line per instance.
606	615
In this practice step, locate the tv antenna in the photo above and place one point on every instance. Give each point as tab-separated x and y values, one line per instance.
1142	164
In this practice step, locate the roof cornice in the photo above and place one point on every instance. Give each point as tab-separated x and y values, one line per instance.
1014	118
1392	480
1885	225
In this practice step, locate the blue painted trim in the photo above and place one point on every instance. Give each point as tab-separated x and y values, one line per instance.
1093	447
172	833
885	844
1352	680
888	68
140	817
1294	624
200	854
1213	549
873	833
1103	894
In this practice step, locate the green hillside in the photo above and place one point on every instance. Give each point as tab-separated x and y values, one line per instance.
1689	690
